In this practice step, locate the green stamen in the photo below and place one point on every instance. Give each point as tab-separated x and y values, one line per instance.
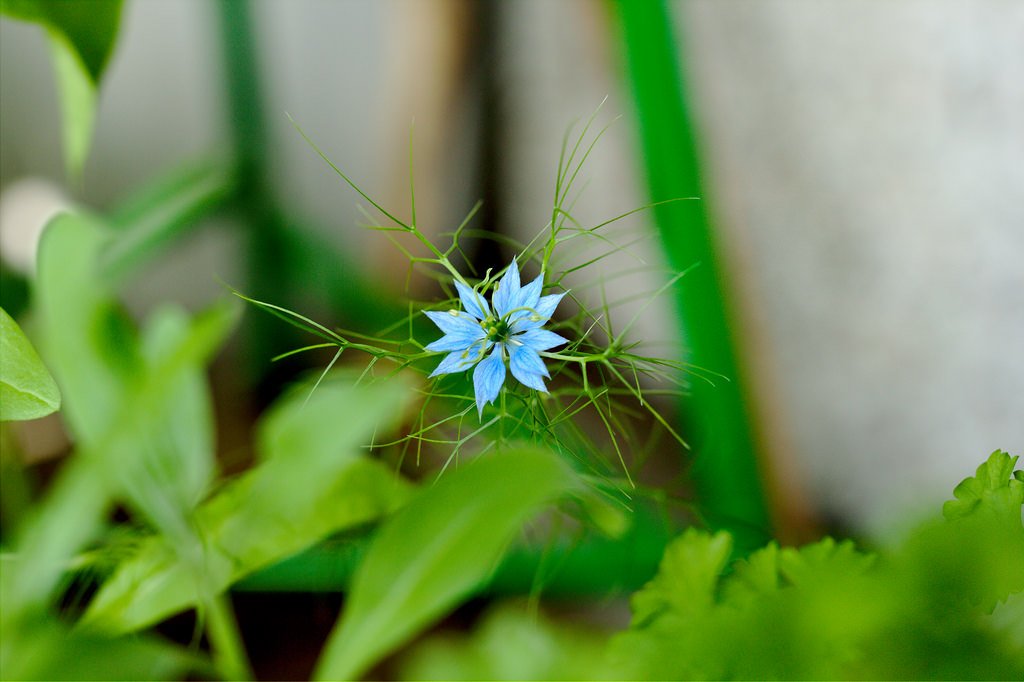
497	330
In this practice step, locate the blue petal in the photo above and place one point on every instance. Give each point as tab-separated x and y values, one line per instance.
539	339
546	306
454	322
488	377
527	367
542	313
461	360
451	342
526	300
507	292
472	301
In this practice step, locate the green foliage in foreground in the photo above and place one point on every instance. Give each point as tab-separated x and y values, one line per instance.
947	603
27	391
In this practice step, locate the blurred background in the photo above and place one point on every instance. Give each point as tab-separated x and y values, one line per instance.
862	165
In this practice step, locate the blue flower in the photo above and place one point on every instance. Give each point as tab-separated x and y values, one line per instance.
509	329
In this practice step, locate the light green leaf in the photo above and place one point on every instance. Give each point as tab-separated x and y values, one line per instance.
822	560
87	339
27	391
47	651
437	550
87	345
306	488
125	411
687	576
184	460
995	488
754	577
82	37
78	106
923	608
511	643
137	410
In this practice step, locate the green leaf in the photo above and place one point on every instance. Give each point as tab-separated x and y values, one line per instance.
805	565
88	346
82	37
511	643
78	107
919	610
140	425
90	28
184	460
137	409
88	340
48	651
67	518
27	391
687	577
311	482
995	488
437	550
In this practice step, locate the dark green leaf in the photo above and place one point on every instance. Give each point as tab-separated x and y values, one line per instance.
88	26
82	35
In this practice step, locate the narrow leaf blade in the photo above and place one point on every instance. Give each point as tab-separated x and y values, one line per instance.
437	550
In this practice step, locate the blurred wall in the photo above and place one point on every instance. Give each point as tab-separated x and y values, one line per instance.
864	163
867	163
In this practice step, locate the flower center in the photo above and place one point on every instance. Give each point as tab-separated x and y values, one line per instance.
497	330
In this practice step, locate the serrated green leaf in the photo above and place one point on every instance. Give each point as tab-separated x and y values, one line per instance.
304	489
995	488
27	391
753	577
687	577
919	610
437	550
822	560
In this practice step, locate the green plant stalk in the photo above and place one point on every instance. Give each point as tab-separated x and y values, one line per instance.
266	243
725	469
226	642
